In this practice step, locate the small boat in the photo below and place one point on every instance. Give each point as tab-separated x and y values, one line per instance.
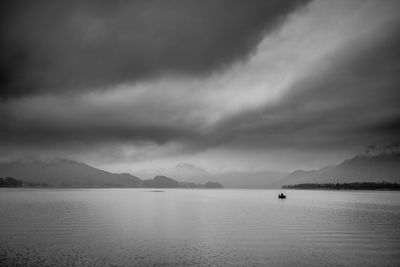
282	196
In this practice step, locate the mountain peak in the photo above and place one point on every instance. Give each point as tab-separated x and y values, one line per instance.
188	166
371	167
64	172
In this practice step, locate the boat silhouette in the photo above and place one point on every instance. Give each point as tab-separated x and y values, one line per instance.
281	196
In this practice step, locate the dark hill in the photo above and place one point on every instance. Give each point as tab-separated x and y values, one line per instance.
362	168
161	182
213	185
64	172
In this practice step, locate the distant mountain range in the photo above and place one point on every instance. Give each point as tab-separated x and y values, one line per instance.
230	179
250	179
62	172
362	168
68	173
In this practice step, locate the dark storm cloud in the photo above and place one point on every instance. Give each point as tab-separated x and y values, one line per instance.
351	98
347	98
53	132
75	124
65	46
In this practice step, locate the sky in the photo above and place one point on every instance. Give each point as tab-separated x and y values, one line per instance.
129	86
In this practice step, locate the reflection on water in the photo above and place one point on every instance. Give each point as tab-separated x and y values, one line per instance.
179	227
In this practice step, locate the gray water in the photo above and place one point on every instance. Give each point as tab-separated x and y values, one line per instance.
179	227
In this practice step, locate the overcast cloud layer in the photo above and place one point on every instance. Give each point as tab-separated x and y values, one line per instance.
222	84
55	46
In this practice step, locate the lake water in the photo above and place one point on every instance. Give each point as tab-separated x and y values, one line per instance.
179	227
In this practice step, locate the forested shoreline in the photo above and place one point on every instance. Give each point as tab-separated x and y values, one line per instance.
347	186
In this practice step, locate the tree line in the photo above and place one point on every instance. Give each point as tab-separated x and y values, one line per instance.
348	186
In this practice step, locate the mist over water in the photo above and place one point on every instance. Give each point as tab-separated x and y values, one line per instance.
176	227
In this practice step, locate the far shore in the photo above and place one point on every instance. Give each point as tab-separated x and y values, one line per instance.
382	186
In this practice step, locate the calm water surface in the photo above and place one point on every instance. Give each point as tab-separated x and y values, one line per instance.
178	227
